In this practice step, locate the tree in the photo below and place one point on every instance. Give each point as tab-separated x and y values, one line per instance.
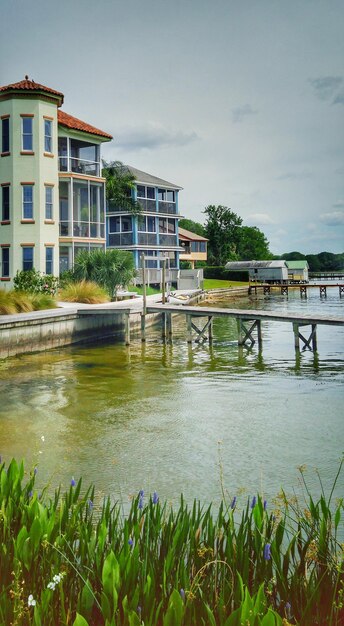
110	269
222	226
120	183
252	244
193	227
313	262
293	256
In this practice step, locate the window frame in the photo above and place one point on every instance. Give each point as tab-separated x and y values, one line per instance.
49	262
24	261
48	147
27	202
5	135
26	118
5	263
50	204
5	206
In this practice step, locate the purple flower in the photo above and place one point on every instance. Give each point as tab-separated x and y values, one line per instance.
254	501
141	493
139	610
130	542
90	504
233	503
155	498
30	494
288	609
35	471
141	502
72	482
182	594
267	552
265	505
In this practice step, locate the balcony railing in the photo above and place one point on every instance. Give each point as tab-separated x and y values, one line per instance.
147	205
95	230
79	166
167	207
120	239
167	240
148	239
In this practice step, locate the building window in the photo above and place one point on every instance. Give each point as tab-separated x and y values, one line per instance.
27	138
48	136
27	202
5	134
49	260
5	203
5	265
146	192
48	203
27	258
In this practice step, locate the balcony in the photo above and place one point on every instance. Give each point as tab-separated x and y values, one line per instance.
167	207
147	205
148	239
79	166
120	239
167	240
94	230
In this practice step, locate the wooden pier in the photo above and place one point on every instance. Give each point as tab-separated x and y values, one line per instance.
303	288
248	322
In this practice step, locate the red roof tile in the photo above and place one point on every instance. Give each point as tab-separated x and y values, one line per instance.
72	122
30	85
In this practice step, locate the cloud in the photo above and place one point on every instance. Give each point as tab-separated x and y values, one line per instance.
294	176
335	218
152	137
259	219
338	205
239	113
329	88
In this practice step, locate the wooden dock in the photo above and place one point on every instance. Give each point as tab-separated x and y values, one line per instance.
248	322
284	288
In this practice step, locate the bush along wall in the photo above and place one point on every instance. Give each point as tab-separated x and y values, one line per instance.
66	560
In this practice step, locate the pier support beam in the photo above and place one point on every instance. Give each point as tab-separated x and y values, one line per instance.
310	343
143	327
245	336
200	332
127	328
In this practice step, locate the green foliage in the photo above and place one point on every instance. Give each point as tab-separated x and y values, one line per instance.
65	560
185	265
252	244
110	269
222	226
322	262
120	185
12	302
220	273
84	291
35	282
193	227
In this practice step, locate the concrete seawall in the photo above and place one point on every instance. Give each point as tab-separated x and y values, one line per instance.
44	330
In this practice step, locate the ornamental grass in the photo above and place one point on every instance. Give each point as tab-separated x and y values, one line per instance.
84	291
64	560
13	301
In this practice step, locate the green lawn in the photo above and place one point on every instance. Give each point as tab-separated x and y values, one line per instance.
213	283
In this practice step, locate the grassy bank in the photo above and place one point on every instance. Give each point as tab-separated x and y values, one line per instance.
62	563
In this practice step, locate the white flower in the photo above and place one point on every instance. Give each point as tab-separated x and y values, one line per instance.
42	438
31	601
51	586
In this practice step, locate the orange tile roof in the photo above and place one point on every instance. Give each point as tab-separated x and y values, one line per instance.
31	85
64	119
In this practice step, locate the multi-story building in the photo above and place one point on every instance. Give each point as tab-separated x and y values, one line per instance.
154	232
194	247
52	192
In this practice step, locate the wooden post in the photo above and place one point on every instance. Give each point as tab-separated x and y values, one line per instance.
240	331
296	336
127	328
314	337
259	332
164	281
163	324
169	326
189	327
144	283
143	327
210	329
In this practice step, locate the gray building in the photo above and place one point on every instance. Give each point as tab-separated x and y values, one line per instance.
262	271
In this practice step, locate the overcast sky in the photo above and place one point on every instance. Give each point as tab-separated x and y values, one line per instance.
241	102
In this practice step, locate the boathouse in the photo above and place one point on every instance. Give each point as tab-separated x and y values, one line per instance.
298	271
262	271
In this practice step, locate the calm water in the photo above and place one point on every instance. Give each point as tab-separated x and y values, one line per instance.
153	415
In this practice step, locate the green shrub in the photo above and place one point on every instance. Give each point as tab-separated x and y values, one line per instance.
35	282
22	301
110	269
84	291
220	273
42	301
62	554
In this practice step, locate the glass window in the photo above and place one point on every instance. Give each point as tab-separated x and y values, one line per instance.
126	224
169	195
5	203
80	202
115	225
49	260
48	136
141	191
151	193
49	203
5	262
162	225
5	134
27	258
151	227
27	202
27	142
161	194
171	226
141	224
